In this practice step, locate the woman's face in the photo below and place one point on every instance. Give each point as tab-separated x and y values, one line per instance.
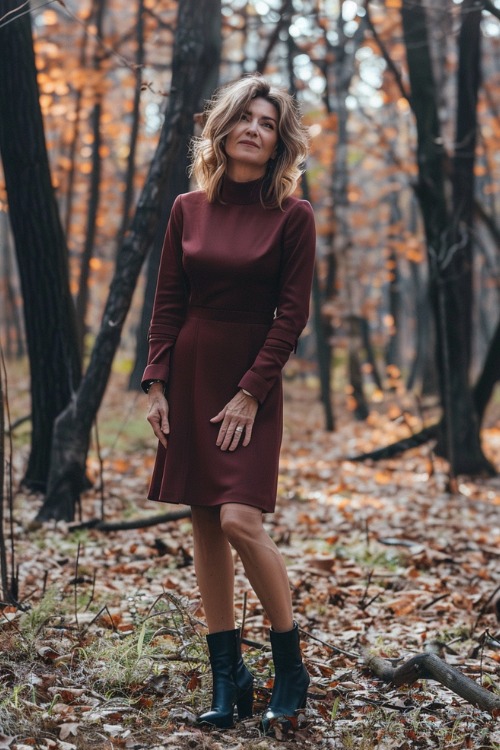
252	141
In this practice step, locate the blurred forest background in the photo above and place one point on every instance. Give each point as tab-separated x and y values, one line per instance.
98	102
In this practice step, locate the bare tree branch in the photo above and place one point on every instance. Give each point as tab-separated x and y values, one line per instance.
488	5
390	62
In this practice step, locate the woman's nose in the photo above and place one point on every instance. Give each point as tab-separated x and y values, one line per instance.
252	126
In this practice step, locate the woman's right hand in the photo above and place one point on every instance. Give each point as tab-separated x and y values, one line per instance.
158	412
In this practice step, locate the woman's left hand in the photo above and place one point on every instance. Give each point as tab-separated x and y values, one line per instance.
237	418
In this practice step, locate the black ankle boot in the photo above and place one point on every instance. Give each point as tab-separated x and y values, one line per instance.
291	679
232	683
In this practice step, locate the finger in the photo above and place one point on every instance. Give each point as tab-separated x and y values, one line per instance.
219	417
236	438
158	420
226	438
155	424
153	420
230	435
248	434
164	423
221	435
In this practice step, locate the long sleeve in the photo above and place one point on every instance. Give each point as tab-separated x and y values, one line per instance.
292	312
169	309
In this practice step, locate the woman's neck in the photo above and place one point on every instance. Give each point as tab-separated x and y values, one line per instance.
243	173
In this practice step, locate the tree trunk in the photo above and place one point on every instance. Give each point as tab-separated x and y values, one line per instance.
196	56
423	371
14	335
366	340
456	277
77	118
134	130
82	298
321	323
448	231
178	183
358	403
339	73
392	356
323	353
40	244
4	579
490	375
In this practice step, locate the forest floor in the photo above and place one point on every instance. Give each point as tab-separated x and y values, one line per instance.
108	650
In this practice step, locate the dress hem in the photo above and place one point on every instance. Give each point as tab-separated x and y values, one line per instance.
223	501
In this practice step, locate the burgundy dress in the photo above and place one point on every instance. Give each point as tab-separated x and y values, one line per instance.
231	301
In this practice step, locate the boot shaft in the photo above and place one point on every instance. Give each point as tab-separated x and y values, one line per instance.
224	646
286	649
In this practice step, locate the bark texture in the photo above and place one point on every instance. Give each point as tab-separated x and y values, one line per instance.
39	241
448	225
196	55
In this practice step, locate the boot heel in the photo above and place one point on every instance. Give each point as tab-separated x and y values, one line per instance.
244	704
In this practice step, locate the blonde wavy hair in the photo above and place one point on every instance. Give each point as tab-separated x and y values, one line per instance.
221	114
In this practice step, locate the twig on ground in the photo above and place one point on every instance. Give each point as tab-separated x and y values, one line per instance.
485	606
337	650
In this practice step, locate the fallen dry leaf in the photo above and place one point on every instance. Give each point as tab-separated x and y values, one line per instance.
67	729
378	557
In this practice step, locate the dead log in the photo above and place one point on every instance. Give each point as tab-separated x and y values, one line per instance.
431	667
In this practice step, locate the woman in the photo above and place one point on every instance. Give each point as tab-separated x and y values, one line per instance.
232	298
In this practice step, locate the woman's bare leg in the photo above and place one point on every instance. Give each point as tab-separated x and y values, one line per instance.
213	563
262	561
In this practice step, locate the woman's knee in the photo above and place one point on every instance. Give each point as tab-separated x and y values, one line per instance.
240	523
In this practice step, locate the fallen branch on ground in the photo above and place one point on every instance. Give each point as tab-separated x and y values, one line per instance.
431	667
388	451
135	523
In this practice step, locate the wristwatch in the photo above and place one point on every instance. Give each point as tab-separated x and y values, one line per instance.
147	385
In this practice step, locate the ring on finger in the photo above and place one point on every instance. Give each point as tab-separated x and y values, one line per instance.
239	429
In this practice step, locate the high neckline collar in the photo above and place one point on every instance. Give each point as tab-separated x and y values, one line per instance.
241	193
